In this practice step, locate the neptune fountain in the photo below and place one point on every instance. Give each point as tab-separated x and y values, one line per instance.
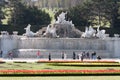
61	36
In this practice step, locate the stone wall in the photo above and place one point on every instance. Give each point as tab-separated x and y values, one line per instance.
24	47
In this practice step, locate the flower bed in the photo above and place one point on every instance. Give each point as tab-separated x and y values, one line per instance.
58	72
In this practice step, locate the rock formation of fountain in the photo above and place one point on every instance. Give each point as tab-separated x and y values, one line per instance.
62	28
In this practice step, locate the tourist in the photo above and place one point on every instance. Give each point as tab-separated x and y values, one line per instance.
82	55
49	56
38	54
88	55
78	56
74	55
1	52
64	55
10	55
93	55
98	57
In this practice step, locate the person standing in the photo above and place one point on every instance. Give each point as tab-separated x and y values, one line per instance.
87	55
38	54
82	56
1	52
93	55
62	55
10	55
74	55
49	56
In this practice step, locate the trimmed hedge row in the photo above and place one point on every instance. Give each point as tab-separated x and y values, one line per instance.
87	64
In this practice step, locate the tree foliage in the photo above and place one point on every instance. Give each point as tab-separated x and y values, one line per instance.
22	15
2	4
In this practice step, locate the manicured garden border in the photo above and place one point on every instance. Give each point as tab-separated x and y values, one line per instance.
57	72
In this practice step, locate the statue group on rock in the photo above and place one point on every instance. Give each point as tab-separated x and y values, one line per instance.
64	28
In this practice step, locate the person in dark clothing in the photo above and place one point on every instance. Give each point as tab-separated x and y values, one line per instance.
49	56
87	55
93	55
1	52
63	55
82	56
74	55
99	57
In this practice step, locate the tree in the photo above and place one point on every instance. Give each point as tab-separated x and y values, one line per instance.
22	15
2	4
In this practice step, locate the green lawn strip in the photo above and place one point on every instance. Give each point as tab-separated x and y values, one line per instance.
44	66
62	78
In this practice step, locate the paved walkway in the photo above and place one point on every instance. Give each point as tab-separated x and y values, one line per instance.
34	60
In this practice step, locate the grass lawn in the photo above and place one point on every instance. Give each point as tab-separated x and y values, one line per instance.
43	66
63	78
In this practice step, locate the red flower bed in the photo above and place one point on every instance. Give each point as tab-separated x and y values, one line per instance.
59	71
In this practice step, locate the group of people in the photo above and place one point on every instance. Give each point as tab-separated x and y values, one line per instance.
10	54
83	55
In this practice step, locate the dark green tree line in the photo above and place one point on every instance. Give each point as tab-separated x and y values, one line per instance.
21	15
2	4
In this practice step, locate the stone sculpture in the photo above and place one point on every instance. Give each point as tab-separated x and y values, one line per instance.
100	33
62	28
89	32
50	31
29	33
61	18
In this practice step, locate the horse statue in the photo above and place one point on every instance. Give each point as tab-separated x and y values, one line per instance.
100	33
29	33
89	32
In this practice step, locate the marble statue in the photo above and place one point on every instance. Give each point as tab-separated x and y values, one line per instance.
100	33
50	31
89	32
61	18
29	33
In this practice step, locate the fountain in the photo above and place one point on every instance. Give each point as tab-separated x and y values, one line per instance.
60	36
